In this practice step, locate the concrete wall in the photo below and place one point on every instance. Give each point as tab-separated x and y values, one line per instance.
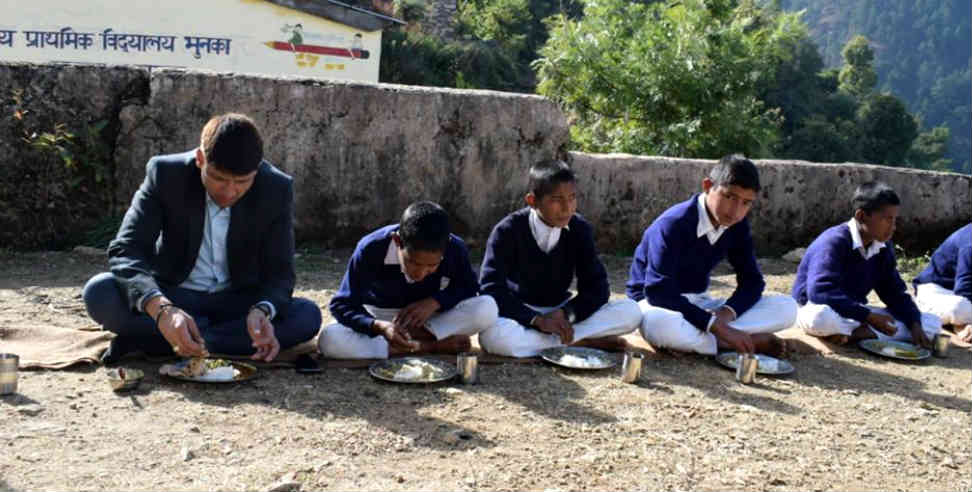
361	152
623	193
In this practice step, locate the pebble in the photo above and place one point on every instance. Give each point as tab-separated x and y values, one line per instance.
30	410
453	437
285	486
187	454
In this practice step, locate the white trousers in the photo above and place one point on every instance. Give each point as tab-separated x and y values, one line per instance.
820	320
469	317
942	302
510	338
666	328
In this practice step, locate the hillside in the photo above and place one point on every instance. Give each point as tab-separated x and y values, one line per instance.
923	51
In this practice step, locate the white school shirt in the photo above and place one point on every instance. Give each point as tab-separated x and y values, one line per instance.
858	244
705	226
546	237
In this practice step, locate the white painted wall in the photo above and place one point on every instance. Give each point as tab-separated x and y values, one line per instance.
250	36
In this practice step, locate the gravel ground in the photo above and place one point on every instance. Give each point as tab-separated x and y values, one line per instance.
845	421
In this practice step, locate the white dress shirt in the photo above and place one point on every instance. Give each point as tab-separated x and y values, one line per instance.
858	244
547	237
705	226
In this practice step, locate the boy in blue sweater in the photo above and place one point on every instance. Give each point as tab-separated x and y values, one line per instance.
532	256
409	287
671	267
849	260
944	287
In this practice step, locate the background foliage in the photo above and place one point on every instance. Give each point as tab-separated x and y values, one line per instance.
700	78
923	53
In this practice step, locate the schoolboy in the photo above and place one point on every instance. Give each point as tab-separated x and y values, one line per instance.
409	287
944	287
849	260
531	258
671	268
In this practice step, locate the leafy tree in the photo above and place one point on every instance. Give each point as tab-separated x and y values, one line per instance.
928	150
887	129
670	79
858	76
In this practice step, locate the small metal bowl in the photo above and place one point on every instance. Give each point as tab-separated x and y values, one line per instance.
122	379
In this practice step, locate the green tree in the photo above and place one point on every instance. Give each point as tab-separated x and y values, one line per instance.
887	130
928	150
670	79
858	77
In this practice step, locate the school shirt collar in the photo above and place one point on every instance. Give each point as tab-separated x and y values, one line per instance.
858	244
545	236
392	258
705	227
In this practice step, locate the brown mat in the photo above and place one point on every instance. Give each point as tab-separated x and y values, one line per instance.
52	347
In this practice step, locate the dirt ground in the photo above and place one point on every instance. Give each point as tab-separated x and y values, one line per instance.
845	421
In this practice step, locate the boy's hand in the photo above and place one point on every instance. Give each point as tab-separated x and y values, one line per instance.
417	313
882	323
918	335
556	323
739	340
396	335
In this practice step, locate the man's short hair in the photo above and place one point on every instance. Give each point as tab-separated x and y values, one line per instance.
546	175
232	143
873	196
735	169
424	227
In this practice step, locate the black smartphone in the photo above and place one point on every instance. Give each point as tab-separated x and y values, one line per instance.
305	364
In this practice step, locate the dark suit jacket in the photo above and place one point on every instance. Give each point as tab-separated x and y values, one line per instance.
159	238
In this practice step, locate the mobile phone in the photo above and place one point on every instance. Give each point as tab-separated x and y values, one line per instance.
305	364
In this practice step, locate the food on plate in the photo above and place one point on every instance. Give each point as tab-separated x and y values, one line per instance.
580	361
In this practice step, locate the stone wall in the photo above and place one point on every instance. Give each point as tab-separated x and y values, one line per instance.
360	153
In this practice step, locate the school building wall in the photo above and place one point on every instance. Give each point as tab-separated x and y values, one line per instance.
361	152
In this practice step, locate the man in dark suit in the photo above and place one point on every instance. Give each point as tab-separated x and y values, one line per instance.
204	258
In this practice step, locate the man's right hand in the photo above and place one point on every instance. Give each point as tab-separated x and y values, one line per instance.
398	339
739	340
556	323
178	328
882	323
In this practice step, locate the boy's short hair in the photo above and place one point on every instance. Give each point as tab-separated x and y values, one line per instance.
232	143
424	227
735	169
546	175
873	196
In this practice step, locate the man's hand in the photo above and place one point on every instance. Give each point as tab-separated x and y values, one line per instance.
180	330
396	335
918	335
556	323
417	313
262	333
882	323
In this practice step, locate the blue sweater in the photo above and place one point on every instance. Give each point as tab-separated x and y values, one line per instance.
516	271
672	259
951	264
835	274
368	280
